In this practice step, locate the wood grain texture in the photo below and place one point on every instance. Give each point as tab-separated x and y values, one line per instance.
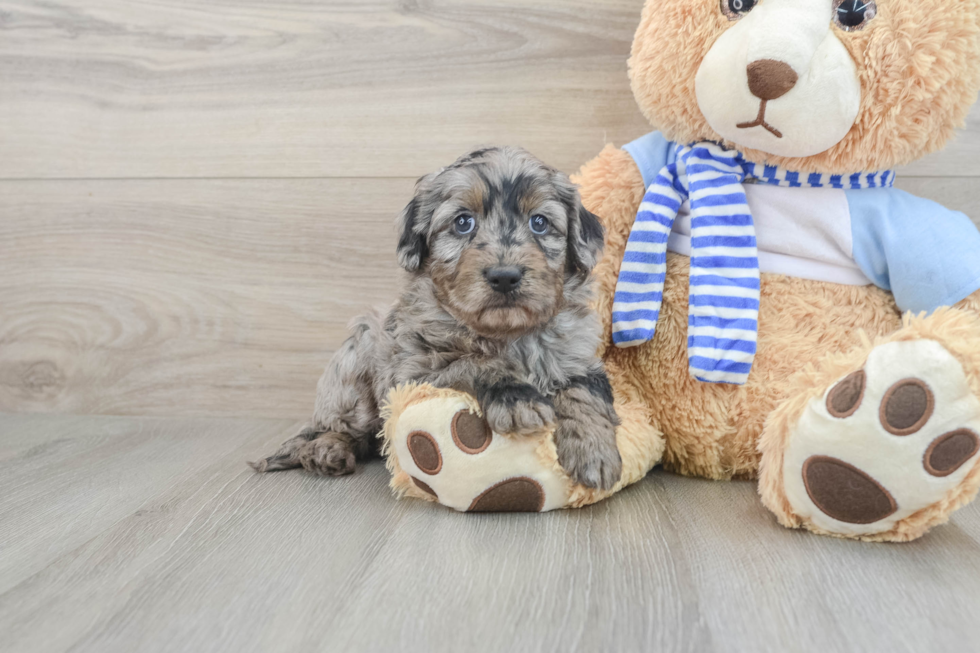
307	88
201	297
115	557
242	88
196	198
955	193
186	297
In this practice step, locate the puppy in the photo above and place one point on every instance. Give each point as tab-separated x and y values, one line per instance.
499	250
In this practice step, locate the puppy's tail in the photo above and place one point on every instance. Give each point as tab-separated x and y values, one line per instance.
287	457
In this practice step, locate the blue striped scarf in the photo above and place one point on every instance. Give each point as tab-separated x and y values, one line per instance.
723	316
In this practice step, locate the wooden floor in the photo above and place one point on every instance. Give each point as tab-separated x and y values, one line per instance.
150	534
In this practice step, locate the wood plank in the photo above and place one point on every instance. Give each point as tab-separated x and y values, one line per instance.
117	88
77	478
809	593
196	297
955	193
307	88
186	297
224	560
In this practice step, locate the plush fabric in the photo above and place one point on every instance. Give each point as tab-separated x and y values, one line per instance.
719	233
958	331
430	459
724	308
858	421
916	63
854	229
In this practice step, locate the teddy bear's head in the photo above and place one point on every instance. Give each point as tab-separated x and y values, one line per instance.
831	86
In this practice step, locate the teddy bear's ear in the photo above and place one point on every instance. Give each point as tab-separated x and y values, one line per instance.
413	245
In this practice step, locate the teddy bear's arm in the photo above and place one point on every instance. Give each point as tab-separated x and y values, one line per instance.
921	251
612	188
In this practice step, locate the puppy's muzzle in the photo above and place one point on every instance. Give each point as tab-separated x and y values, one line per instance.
503	279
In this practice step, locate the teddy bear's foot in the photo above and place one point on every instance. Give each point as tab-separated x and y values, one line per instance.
886	452
442	449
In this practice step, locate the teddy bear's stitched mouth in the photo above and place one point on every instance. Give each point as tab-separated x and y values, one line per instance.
760	121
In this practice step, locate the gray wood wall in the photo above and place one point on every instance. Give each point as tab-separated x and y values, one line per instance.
196	197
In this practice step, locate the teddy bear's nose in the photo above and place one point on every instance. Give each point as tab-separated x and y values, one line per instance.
770	79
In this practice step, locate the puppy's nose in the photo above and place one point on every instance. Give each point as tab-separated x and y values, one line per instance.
770	79
503	280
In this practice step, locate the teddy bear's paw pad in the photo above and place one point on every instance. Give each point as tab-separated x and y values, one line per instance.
844	492
450	453
471	433
951	451
512	495
425	452
422	485
884	442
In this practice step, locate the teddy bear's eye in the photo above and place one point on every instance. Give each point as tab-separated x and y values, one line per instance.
853	15
735	9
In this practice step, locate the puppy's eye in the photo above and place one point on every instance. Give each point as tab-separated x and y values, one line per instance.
854	15
464	224
735	9
539	224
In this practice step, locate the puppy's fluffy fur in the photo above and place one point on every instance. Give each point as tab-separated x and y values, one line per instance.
528	354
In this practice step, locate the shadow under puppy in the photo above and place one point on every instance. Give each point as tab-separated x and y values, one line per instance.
500	252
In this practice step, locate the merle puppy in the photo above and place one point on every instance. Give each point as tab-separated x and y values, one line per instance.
499	249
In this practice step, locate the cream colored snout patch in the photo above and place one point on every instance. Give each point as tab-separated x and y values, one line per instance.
779	80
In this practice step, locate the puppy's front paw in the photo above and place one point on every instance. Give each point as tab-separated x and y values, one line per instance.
516	409
587	451
331	454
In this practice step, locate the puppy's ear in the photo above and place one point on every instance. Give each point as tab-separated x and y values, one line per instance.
413	246
585	238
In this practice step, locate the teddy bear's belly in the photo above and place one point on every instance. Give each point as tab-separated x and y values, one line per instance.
711	430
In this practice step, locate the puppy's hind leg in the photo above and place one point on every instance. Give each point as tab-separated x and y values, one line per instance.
327	454
323	453
346	418
287	457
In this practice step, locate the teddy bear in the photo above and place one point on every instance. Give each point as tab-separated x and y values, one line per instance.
773	308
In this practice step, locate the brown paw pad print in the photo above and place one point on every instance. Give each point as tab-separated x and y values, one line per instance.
893	437
949	452
844	492
471	433
424	487
845	398
425	452
906	407
513	495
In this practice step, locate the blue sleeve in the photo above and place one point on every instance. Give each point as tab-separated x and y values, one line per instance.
651	153
927	255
